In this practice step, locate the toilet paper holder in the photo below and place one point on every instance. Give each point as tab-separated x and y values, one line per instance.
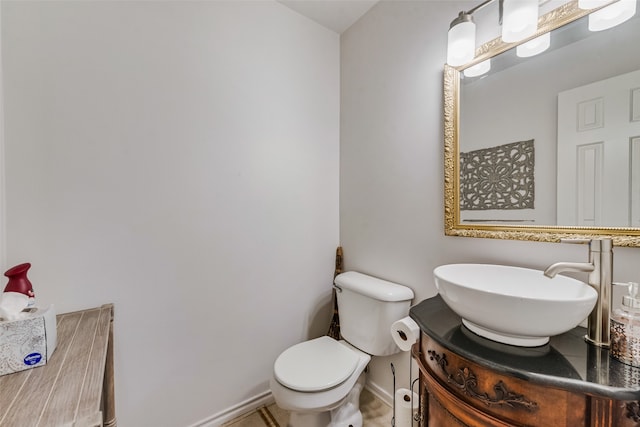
418	415
393	413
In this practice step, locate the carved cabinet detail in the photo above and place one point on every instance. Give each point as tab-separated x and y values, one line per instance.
455	391
466	381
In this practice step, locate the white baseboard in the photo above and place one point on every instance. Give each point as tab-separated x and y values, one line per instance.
265	399
380	393
249	405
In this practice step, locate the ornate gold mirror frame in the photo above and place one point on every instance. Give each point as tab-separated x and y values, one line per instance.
563	15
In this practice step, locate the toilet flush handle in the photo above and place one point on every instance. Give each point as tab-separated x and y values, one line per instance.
337	288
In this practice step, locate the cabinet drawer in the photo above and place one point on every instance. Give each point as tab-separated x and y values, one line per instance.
503	397
443	409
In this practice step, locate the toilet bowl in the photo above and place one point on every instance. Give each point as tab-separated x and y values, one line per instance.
319	381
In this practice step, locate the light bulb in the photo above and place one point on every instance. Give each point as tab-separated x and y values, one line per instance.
461	40
591	4
519	19
534	46
612	15
478	69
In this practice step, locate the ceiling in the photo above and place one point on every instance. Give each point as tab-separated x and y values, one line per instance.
337	15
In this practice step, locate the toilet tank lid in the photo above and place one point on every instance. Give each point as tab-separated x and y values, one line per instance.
373	287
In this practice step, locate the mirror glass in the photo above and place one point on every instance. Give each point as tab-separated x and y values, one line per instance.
548	143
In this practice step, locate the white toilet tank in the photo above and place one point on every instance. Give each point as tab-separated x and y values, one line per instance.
367	307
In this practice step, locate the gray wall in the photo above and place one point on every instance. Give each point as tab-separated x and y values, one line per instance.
391	162
179	159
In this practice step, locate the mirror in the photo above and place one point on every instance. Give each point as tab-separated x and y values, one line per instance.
526	153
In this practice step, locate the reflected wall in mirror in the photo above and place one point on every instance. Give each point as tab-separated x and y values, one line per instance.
578	105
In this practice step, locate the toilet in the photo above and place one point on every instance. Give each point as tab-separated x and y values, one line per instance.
319	381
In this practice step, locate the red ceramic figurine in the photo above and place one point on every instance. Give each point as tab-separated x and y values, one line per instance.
18	280
18	294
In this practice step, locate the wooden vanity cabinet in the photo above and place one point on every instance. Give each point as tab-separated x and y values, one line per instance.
462	390
458	392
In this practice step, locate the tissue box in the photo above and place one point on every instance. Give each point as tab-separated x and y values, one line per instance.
28	342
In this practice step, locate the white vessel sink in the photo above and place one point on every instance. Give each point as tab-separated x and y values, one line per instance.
513	305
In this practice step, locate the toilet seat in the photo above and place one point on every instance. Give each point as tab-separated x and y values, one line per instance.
314	365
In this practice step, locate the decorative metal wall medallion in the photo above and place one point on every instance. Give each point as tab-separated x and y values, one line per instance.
498	177
466	381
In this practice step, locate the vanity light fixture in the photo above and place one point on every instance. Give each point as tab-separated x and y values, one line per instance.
478	69
612	15
519	19
534	46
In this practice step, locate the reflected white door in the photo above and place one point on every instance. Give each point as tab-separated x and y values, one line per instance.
599	153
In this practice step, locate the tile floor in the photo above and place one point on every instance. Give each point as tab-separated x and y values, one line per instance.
375	413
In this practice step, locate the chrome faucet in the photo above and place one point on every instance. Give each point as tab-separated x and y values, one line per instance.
600	269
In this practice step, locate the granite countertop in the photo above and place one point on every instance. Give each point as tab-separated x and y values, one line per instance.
566	362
